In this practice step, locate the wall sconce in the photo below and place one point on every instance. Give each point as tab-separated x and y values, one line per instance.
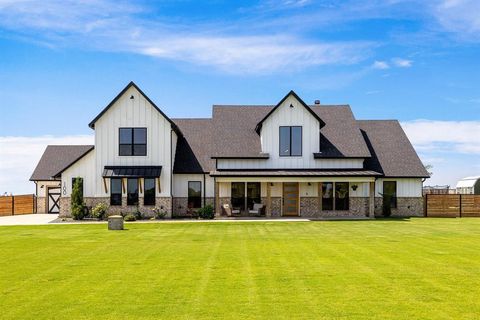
41	187
309	184
354	187
271	184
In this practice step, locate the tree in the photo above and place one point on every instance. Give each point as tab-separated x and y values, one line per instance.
429	167
77	205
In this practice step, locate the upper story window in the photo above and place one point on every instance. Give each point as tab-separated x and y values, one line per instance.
290	141
133	142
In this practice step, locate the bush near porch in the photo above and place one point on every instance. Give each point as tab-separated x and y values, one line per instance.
402	269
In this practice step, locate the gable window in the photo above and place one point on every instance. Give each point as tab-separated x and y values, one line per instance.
132	142
149	195
390	193
80	180
115	192
194	194
290	141
132	191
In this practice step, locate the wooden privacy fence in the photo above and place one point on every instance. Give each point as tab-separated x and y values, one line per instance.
452	205
16	205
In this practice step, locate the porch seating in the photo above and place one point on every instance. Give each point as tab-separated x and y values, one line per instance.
257	209
229	211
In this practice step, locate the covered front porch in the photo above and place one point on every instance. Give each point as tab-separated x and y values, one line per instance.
295	196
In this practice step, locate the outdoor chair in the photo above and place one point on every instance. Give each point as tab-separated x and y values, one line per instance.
257	209
229	211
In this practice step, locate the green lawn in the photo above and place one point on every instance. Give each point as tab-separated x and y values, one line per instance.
410	269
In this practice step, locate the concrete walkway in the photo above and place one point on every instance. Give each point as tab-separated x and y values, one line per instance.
27	219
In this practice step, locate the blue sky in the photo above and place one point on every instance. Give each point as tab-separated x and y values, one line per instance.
416	61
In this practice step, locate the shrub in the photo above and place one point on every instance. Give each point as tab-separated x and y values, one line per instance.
159	212
206	212
77	205
100	211
129	217
138	214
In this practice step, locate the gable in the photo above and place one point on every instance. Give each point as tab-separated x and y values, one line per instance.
293	101
132	92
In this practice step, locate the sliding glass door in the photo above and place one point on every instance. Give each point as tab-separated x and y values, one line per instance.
245	195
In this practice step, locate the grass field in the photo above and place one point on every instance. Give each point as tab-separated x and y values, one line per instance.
402	269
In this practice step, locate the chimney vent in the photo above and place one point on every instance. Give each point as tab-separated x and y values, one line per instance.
317	101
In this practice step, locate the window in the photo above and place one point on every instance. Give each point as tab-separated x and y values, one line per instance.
253	194
252	190
341	196
290	141
327	196
132	191
238	195
149	192
115	192
194	194
132	142
81	184
390	192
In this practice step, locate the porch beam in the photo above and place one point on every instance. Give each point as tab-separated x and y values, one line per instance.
269	200
371	201
217	199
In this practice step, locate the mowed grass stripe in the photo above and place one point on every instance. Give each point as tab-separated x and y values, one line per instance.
402	269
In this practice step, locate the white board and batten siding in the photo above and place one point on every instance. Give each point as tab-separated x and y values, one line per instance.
85	169
135	113
180	185
406	187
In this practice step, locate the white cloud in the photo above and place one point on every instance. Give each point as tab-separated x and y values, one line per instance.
111	26
444	136
402	63
459	16
20	155
381	65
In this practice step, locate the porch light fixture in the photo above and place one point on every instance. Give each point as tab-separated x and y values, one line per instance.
354	187
132	97
291	105
309	184
271	184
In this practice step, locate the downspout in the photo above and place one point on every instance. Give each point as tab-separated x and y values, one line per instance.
171	173
204	190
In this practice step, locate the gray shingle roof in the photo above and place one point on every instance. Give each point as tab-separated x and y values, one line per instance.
392	152
56	159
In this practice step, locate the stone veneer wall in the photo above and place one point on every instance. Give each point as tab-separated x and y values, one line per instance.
310	207
161	202
42	205
406	207
180	205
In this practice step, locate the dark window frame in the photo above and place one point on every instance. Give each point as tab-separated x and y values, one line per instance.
197	200
393	200
133	200
133	144
113	200
290	142
147	201
338	202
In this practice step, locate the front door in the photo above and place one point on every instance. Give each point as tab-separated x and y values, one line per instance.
53	200
290	199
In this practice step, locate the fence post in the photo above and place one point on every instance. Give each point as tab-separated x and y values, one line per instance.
13	205
425	208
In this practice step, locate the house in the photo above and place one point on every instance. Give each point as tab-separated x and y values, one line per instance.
295	159
468	185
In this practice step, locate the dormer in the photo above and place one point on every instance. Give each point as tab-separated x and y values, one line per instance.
291	129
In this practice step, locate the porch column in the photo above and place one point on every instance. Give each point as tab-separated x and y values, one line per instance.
217	199
319	195
371	202
269	200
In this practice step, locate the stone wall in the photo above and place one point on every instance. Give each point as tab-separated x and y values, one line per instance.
310	208
276	206
42	205
165	203
406	207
